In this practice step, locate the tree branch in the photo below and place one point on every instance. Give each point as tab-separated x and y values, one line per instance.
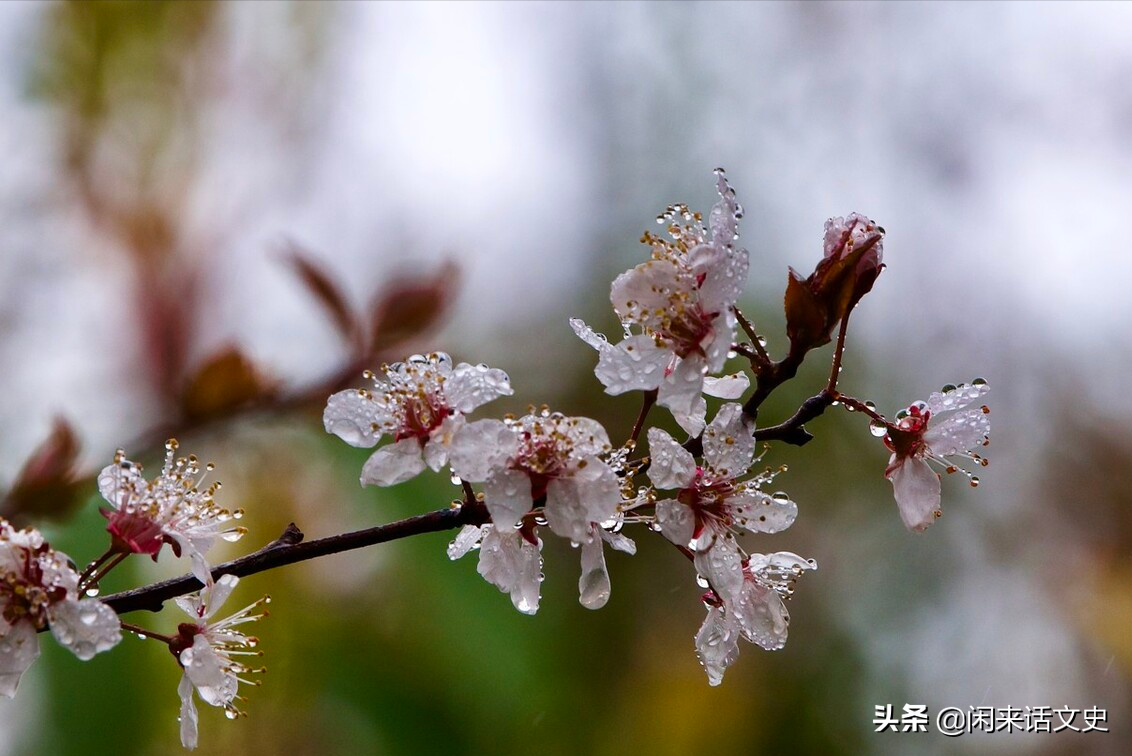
290	548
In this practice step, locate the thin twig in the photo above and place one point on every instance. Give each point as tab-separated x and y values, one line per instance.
289	548
763	359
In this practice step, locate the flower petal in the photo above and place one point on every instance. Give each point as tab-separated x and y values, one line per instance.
121	482
759	513
916	487
729	443
681	391
722	564
727	387
958	433
590	496
639	294
717	644
86	627
19	647
507	494
440	441
724	274
471	386
514	566
466	540
635	364
209	672
593	586
762	616
672	466
352	416
394	463
188	716
479	447
964	394
675	521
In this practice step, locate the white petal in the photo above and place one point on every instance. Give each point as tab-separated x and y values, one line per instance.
86	627
681	391
188	713
480	447
394	463
208	672
916	487
591	495
588	335
507	494
19	647
671	466
593	585
440	441
958	433
724	274
722	564
727	387
120	483
718	344
588	436
647	288
723	220
467	539
963	395
675	521
214	597
351	415
717	644
619	542
729	443
762	616
759	513
635	364
471	386
514	566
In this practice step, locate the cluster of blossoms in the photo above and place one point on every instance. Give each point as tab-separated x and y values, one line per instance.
544	470
40	588
548	470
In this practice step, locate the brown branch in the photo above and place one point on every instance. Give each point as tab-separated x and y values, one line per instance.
290	548
793	431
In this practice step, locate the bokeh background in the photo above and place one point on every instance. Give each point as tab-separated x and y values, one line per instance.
212	213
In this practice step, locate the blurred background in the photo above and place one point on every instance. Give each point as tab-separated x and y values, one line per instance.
213	214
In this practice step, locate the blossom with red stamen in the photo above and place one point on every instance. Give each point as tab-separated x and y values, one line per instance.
420	403
711	502
920	435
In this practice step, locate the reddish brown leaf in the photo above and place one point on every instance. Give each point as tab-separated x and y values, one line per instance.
226	381
806	316
326	291
46	485
409	307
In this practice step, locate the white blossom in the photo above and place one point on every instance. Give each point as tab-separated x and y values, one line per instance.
932	431
510	559
210	652
756	612
39	589
171	509
420	403
681	304
712	502
541	456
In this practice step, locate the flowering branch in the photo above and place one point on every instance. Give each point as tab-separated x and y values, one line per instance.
290	548
545	473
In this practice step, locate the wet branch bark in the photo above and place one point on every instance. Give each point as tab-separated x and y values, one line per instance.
290	548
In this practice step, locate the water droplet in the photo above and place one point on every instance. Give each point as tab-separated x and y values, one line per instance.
979	382
877	428
947	389
92	591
